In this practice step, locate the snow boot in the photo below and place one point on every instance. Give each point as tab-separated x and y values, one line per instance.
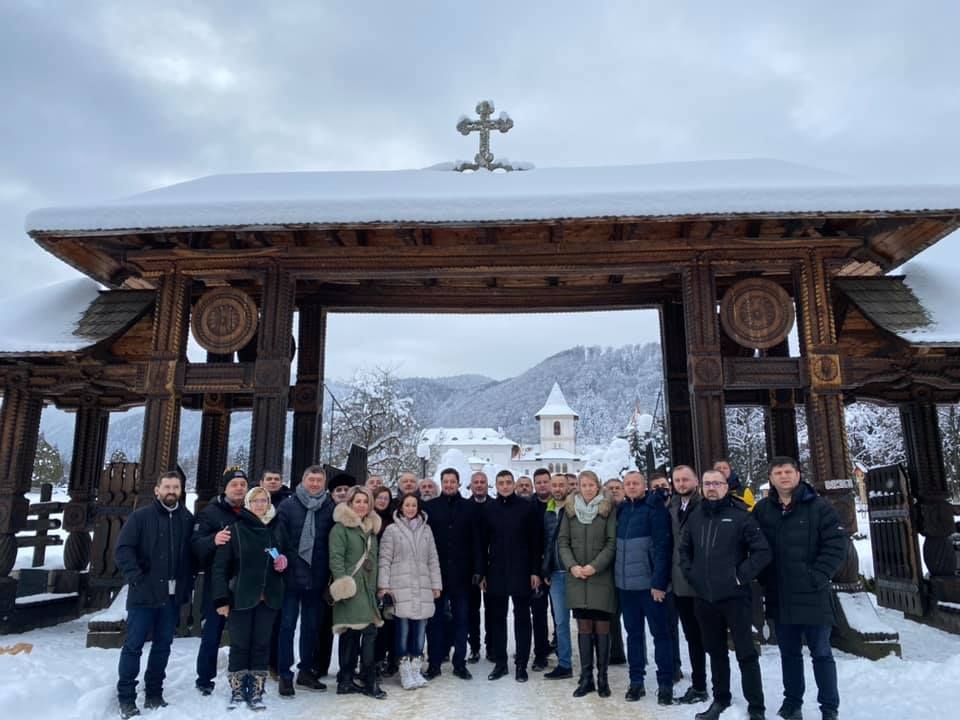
128	709
603	662
235	682
154	702
585	643
416	665
258	682
406	675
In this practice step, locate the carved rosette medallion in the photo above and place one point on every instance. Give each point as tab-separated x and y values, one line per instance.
224	320
757	313
707	371
825	370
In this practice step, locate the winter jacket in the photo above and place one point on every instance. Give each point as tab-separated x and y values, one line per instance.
644	544
410	568
290	518
153	548
280	495
245	563
215	516
512	541
551	533
681	587
809	546
593	544
722	550
354	593
453	521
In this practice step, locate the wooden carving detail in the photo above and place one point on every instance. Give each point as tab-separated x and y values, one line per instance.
757	313
224	320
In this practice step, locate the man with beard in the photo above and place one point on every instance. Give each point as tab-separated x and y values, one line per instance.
153	553
211	531
722	550
428	489
685	499
479	494
524	487
555	577
452	518
511	538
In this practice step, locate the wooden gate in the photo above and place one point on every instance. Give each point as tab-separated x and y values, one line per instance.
896	550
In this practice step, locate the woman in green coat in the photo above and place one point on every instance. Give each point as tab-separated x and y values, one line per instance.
586	543
353	588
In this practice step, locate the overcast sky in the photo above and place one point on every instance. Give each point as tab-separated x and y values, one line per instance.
106	99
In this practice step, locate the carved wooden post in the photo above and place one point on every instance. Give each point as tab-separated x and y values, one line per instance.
704	363
674	342
271	396
19	427
928	479
214	445
162	386
86	466
781	416
308	392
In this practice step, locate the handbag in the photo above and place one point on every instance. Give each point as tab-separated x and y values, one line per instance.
346	587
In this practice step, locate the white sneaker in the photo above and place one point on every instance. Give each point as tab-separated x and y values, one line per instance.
407	680
418	678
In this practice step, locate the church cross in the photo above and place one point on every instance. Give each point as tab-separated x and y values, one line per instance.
484	158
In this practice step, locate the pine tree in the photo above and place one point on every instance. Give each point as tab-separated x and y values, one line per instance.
47	464
118	456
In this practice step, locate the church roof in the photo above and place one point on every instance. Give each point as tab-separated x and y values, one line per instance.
556	405
474	436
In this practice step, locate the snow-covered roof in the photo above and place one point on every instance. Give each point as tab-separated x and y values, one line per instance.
935	287
474	436
722	187
46	318
556	405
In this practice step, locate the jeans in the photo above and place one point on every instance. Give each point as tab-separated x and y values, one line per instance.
561	618
541	636
789	639
736	614
306	604
162	622
409	636
210	636
250	632
438	630
497	627
637	606
691	631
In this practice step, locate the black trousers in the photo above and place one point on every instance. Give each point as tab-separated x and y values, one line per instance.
473	622
691	631
497	627
541	635
324	651
715	619
250	632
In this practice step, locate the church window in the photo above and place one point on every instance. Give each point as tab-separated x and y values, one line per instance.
556	427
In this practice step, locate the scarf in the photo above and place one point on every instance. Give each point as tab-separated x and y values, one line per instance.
312	503
587	511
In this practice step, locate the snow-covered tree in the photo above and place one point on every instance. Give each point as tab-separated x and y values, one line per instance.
747	445
241	458
118	456
950	432
874	434
47	464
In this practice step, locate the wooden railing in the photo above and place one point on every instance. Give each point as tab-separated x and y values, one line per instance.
42	525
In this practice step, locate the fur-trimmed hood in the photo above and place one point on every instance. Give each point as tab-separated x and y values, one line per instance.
345	515
569	506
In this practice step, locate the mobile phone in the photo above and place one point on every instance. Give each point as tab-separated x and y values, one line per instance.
272	552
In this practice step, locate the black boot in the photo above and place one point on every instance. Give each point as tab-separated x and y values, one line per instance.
349	649
368	667
712	712
603	662
585	643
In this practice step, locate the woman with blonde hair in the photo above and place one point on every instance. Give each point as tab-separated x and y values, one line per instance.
353	588
586	543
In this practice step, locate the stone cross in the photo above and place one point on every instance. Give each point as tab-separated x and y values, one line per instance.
484	158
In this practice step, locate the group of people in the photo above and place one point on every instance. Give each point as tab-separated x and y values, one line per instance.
395	577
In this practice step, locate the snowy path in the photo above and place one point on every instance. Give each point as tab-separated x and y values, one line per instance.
62	679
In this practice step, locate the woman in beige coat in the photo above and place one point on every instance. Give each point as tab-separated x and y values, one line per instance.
410	574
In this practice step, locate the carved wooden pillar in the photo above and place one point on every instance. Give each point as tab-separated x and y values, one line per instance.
674	343
271	396
308	392
214	445
928	480
19	427
781	416
704	364
161	417
86	465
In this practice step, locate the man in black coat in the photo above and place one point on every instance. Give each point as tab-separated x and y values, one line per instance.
479	495
540	600
809	546
272	481
304	522
211	531
452	518
721	552
512	539
153	553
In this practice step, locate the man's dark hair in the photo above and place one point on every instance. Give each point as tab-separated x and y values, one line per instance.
270	471
540	471
571	476
170	474
504	473
781	460
450	471
313	470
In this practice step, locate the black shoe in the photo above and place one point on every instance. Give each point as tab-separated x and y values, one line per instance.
307	679
390	670
521	674
712	712
205	688
634	693
586	686
790	711
498	672
665	696
128	709
433	671
373	689
462	673
474	657
286	687
152	702
346	687
539	664
756	715
692	695
559	673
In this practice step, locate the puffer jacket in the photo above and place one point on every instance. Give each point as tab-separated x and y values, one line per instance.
644	544
354	594
410	567
593	544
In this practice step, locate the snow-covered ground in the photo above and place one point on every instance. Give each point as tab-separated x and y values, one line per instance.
62	679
